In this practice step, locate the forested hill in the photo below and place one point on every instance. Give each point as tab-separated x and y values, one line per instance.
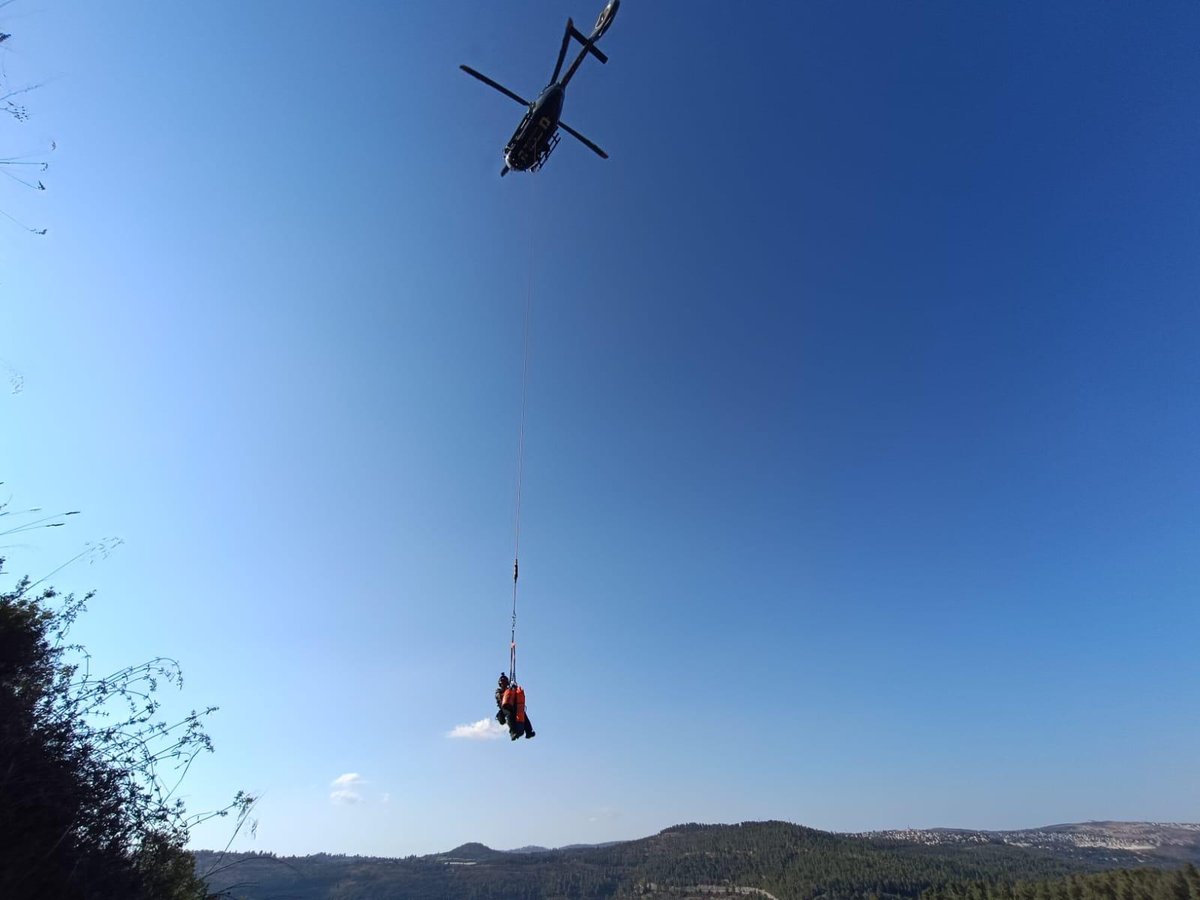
1113	843
776	859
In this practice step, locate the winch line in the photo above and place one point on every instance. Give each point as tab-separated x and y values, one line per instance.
512	646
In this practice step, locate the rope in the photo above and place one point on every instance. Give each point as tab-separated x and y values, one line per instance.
512	646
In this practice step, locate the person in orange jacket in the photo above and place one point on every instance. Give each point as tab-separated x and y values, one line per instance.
501	687
512	709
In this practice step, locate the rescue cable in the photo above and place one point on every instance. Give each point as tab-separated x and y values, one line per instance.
512	646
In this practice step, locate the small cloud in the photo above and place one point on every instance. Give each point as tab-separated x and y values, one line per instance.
346	789
483	730
385	798
605	813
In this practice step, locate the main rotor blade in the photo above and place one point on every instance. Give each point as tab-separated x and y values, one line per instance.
562	51
579	137
501	88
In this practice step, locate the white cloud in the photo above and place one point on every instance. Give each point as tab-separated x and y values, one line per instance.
483	730
346	788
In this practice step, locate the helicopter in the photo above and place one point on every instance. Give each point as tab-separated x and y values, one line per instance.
537	135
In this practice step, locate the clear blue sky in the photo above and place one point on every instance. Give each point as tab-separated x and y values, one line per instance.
861	485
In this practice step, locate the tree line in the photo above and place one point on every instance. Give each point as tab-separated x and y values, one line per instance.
1119	884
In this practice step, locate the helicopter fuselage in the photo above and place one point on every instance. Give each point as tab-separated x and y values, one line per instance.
536	136
538	133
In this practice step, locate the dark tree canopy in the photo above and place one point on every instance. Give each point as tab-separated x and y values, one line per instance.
87	771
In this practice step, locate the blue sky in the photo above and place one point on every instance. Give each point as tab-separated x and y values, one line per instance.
860	480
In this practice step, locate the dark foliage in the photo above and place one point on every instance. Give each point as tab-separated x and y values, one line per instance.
1121	884
84	809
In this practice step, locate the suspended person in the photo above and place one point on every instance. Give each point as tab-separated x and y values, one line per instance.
504	704
502	686
512	705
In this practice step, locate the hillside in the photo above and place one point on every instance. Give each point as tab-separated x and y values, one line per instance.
1121	844
775	859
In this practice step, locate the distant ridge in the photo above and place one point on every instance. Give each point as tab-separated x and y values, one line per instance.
1127	843
535	848
589	846
474	852
748	860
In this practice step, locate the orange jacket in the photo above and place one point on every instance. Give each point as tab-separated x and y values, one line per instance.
514	699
